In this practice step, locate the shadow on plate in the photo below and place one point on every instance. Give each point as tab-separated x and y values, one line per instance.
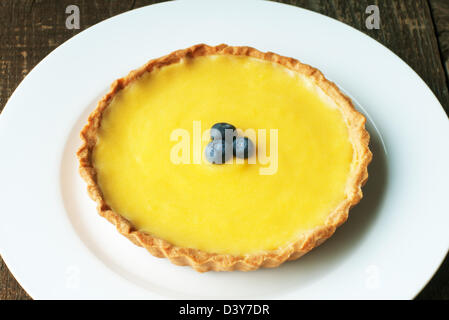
264	282
321	260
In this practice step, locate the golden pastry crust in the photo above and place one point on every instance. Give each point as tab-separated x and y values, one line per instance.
204	261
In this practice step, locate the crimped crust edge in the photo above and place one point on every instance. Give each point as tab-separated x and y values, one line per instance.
204	261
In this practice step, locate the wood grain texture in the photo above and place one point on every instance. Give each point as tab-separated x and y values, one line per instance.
406	28
440	13
30	29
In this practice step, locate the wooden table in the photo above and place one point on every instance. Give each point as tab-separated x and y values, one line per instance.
417	31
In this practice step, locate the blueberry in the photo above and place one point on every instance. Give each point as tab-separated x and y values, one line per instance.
243	147
222	130
218	151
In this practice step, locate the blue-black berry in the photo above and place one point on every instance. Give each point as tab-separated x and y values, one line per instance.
218	151
243	147
222	130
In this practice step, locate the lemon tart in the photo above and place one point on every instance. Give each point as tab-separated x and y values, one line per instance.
307	171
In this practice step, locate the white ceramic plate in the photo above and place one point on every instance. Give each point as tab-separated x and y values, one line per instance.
57	246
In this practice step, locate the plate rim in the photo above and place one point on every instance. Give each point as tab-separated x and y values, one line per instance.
36	68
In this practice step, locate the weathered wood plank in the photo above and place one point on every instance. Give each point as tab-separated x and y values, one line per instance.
9	287
30	29
440	13
406	28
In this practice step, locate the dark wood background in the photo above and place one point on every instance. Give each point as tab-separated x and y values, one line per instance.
417	31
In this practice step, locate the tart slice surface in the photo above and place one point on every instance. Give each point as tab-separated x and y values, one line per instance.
286	199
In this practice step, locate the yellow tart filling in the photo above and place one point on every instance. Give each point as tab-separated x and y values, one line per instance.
230	208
